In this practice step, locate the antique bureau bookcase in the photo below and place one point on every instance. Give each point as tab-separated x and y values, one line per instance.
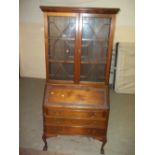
78	47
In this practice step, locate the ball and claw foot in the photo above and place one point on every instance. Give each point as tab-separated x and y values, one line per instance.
102	151
45	146
102	148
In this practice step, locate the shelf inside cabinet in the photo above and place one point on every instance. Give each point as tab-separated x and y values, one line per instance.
61	38
93	62
82	62
94	39
60	61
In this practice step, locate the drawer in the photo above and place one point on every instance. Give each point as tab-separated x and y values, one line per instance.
74	130
101	123
77	113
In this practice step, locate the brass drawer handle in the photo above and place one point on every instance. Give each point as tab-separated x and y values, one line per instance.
55	129
92	131
59	121
56	113
92	114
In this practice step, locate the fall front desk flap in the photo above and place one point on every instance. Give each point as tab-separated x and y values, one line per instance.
80	97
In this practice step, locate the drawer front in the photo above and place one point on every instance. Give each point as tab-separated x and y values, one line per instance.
74	130
75	122
80	113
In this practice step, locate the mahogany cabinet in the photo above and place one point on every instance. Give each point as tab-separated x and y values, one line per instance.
78	47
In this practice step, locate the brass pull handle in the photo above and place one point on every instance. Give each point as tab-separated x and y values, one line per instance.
57	113
58	121
92	131
93	114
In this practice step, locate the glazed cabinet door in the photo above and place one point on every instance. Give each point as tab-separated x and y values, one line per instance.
78	47
95	30
61	38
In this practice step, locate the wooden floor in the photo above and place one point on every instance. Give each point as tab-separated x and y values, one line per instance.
121	140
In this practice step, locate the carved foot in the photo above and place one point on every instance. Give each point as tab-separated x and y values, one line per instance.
45	146
102	148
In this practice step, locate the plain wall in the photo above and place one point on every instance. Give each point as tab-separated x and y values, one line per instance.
32	59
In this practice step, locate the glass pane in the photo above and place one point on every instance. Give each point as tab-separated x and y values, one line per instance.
61	71
95	35
92	72
61	35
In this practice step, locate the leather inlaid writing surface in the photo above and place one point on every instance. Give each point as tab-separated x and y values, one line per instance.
65	96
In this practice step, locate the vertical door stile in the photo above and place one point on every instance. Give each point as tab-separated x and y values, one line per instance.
46	44
109	52
78	49
80	44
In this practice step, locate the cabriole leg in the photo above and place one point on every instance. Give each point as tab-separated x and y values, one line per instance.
102	147
45	146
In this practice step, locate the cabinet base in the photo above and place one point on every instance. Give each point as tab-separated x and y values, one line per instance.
46	145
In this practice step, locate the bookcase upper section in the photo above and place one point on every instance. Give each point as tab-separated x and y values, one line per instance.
78	44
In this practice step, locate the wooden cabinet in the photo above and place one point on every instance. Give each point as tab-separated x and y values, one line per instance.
78	46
